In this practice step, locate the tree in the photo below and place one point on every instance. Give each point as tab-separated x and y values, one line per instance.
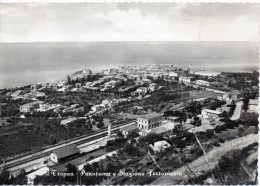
232	108
178	130
132	134
100	124
119	134
245	103
68	80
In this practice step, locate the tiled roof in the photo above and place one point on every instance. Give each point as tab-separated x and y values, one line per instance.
151	115
66	151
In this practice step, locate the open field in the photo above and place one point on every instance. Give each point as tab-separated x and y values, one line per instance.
203	94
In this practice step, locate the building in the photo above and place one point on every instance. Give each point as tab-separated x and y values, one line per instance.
173	74
30	107
233	95
149	121
207	113
153	86
202	83
67	121
73	108
186	80
39	172
96	108
127	129
205	121
61	154
173	119
253	105
142	90
160	146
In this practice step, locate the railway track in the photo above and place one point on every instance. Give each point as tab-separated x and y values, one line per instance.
78	141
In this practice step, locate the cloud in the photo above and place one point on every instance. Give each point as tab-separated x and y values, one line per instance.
86	22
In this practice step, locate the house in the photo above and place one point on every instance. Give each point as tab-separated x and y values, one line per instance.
142	90
149	121
202	83
207	113
30	107
207	120
39	172
96	108
127	129
63	153
67	121
72	108
46	107
253	105
153	86
160	146
173	119
184	79
173	74
232	95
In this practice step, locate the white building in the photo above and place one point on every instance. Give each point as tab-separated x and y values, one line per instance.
186	80
173	74
253	105
207	113
96	108
149	121
39	172
67	121
160	146
201	82
62	153
30	107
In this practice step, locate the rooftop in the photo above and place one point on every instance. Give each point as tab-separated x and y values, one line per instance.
150	116
39	172
163	128
212	111
66	151
253	102
66	121
33	103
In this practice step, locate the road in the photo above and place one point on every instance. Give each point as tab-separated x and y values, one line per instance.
237	112
36	160
199	165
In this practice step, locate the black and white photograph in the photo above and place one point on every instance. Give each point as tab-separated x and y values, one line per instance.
129	93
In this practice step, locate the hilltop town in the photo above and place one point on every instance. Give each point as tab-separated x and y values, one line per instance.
131	120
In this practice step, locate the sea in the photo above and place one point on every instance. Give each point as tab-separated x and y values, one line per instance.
26	63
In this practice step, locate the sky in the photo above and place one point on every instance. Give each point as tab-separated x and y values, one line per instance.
90	22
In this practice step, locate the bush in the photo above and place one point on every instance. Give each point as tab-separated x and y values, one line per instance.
221	140
216	144
149	163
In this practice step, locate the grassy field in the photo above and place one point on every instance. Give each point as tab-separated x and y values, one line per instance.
203	94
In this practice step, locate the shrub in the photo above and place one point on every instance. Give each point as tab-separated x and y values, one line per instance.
216	144
221	140
149	163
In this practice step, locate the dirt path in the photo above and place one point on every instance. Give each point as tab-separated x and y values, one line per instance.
237	111
200	164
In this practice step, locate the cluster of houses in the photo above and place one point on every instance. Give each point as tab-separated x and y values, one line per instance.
19	94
